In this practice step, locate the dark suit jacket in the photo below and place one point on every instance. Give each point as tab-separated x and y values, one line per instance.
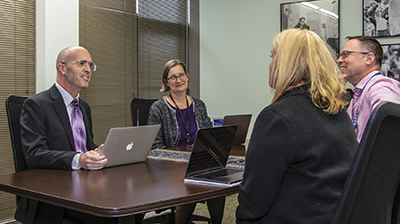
47	142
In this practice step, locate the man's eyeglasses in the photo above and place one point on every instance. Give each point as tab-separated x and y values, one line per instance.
345	54
83	63
181	76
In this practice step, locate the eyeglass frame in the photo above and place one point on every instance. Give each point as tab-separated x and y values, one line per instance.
174	78
85	63
350	52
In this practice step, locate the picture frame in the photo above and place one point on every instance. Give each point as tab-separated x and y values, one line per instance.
381	18
320	16
391	61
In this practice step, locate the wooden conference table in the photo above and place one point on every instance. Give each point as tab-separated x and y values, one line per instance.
123	191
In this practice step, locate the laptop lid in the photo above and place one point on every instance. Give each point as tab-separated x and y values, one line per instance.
127	145
243	121
211	148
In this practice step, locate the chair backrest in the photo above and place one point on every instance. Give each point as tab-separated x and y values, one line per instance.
13	108
370	194
140	110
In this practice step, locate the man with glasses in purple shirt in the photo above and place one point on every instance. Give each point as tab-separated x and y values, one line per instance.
360	61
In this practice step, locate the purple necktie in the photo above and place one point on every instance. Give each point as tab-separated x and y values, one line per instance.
78	128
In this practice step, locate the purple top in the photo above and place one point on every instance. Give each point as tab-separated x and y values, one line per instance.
192	125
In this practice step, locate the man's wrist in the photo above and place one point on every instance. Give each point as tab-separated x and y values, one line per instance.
75	162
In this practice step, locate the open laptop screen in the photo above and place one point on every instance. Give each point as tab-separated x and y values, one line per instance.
243	121
211	148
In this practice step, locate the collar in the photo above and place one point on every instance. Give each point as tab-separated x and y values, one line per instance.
303	89
364	81
65	95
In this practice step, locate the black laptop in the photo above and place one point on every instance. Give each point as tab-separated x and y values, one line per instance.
243	121
209	157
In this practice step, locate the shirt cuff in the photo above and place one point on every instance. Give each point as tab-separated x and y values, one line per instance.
75	162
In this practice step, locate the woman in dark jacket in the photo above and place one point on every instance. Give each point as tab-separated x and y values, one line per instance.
303	143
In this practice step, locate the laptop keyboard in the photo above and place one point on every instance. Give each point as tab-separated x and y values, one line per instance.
216	174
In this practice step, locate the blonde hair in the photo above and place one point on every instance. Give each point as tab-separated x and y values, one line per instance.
301	55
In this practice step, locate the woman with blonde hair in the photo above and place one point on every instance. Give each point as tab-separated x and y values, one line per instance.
303	143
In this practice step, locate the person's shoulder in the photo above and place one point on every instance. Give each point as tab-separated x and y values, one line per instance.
275	111
384	81
159	103
41	96
295	94
197	100
383	89
39	100
292	102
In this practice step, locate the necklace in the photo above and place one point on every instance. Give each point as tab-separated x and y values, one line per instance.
180	114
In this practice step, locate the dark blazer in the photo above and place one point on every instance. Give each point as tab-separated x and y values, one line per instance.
46	134
47	142
297	162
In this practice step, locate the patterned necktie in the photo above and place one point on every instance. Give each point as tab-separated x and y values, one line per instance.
78	128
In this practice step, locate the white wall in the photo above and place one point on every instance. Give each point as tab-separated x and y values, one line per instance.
235	44
57	27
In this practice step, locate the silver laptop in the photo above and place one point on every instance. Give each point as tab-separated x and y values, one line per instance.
243	121
127	145
207	163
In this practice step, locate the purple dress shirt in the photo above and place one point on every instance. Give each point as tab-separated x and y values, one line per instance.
379	89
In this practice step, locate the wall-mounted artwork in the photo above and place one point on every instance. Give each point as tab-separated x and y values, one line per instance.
391	61
320	16
381	18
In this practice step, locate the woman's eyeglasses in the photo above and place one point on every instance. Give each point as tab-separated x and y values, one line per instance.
181	76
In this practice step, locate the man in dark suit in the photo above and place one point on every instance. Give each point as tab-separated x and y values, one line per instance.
49	136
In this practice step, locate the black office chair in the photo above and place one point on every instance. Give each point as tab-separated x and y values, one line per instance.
13	109
371	193
140	110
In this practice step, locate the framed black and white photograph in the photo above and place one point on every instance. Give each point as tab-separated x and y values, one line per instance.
381	18
320	16
391	61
